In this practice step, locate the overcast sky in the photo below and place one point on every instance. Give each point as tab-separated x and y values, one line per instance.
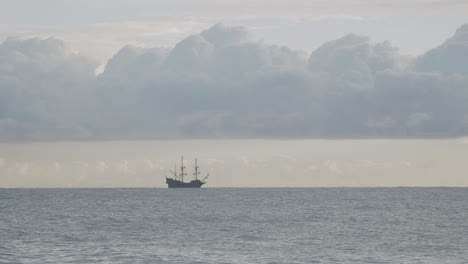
117	70
237	163
236	73
100	27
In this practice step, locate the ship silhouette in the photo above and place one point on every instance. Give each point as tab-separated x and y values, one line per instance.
178	180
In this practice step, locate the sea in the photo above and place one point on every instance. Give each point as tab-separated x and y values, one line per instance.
238	225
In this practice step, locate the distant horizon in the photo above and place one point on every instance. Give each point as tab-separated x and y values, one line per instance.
237	163
227	187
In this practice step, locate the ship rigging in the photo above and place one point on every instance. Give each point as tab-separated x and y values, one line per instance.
178	180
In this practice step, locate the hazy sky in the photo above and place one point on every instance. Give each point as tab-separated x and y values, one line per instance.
100	27
72	70
213	78
238	163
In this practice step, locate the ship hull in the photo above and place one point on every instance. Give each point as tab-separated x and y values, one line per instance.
171	183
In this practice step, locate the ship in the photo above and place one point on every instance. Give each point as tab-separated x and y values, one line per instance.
178	180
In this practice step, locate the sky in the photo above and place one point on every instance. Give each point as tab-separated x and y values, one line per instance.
99	28
101	70
237	163
289	73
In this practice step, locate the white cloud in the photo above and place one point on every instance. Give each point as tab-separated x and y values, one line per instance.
449	58
102	166
57	166
221	83
332	167
19	168
123	167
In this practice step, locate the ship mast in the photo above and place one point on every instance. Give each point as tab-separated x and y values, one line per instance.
182	167
196	170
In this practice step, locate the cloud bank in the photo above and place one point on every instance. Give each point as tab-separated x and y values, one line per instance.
221	84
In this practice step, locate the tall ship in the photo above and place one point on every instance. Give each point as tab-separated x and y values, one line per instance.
178	180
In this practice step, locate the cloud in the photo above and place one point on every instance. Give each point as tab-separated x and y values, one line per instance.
332	167
42	87
449	58
57	166
353	61
222	84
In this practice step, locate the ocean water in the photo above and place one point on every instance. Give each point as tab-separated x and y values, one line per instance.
310	225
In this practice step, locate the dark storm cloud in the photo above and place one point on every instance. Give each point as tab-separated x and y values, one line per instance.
220	83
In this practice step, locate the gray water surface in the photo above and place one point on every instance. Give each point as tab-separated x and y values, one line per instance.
310	225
